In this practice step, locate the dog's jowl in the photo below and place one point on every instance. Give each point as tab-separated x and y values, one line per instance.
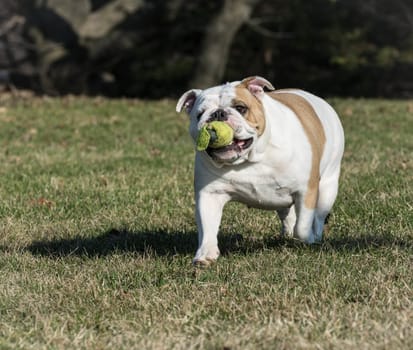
285	156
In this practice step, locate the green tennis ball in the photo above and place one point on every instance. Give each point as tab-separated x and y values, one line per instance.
224	134
203	139
215	135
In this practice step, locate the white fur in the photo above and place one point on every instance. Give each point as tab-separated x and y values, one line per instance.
273	174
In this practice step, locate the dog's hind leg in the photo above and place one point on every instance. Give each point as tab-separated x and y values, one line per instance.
328	189
305	205
288	219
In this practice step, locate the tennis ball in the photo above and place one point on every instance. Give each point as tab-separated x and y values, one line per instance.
215	135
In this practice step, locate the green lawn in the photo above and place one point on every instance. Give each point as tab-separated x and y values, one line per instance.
97	237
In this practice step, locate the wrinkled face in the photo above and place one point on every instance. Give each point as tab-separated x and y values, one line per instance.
234	104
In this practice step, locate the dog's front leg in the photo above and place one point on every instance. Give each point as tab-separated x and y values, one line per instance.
209	207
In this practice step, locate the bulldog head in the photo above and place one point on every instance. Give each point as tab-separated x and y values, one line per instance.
239	105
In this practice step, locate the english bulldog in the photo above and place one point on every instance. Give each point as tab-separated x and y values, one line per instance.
285	156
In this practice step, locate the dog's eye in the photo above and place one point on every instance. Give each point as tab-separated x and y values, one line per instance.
199	115
241	109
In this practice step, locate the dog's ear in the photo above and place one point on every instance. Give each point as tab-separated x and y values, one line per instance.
187	100
256	85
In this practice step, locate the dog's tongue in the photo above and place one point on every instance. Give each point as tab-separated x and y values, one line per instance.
240	142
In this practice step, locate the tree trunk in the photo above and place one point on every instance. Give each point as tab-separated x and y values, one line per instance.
100	23
217	42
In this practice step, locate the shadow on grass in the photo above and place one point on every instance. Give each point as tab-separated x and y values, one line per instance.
158	242
166	243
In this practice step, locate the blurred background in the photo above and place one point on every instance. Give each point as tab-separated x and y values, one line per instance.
156	49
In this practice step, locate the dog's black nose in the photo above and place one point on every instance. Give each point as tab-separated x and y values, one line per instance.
219	115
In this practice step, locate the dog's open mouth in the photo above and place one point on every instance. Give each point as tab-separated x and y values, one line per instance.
232	151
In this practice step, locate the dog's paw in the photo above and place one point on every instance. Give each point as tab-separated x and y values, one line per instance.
203	262
288	233
206	256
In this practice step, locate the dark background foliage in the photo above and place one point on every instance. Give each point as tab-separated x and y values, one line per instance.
154	49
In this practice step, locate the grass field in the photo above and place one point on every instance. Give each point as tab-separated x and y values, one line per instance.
97	236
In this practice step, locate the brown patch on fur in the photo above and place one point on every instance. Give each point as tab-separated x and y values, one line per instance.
255	113
315	134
